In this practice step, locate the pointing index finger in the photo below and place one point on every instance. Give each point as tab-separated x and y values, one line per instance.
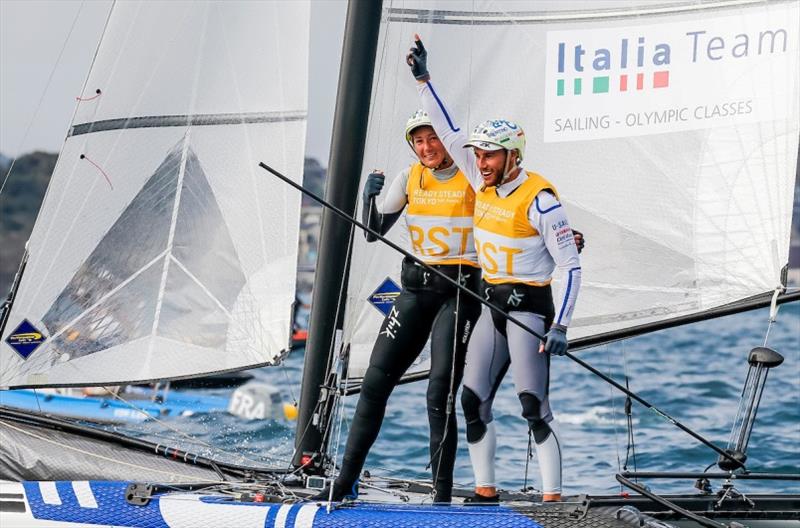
418	42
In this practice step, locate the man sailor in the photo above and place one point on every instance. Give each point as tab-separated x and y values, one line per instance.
521	234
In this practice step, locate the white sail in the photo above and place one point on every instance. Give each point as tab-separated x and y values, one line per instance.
161	249
670	130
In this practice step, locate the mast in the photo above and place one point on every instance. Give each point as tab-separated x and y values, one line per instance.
344	168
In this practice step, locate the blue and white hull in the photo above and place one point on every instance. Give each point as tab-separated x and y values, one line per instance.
99	503
105	503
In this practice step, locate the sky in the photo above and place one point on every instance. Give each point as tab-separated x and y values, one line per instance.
34	33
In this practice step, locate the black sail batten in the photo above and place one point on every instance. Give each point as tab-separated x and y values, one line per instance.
161	121
753	303
344	167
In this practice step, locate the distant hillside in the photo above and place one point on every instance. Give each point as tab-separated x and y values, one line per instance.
19	205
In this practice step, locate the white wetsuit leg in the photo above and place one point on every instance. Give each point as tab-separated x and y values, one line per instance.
530	371
486	364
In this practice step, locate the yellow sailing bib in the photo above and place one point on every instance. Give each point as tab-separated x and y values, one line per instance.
439	217
509	248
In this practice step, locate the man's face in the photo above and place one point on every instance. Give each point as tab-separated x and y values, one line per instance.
427	146
491	164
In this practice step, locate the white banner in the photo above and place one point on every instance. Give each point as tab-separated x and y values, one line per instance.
688	75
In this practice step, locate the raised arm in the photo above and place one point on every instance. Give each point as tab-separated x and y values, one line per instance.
450	134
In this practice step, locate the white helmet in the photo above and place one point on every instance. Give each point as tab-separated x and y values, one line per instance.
418	119
496	134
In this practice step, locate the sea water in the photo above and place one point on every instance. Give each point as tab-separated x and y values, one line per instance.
694	373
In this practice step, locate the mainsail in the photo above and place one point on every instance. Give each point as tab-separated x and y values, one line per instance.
160	250
670	130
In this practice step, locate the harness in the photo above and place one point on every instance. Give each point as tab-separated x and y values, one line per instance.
416	278
519	297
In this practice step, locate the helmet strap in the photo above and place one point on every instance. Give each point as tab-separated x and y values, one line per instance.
507	169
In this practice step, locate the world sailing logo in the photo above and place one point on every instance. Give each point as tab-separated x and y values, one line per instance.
383	297
596	68
25	339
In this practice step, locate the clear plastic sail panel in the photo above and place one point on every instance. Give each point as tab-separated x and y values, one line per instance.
670	130
161	250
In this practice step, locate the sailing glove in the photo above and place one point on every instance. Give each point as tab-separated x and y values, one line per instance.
418	60
579	240
373	186
556	340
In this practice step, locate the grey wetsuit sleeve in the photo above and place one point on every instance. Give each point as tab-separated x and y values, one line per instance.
396	198
548	216
451	136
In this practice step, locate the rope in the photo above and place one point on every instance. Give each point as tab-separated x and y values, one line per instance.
98	167
333	360
97	93
38	404
528	456
339	398
614	413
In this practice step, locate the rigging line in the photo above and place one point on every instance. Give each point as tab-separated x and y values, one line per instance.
336	359
340	395
340	421
450	404
62	446
99	168
613	411
381	79
528	455
628	417
42	96
289	382
508	317
38	404
180	433
331	358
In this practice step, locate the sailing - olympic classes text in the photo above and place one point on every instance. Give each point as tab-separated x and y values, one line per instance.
655	117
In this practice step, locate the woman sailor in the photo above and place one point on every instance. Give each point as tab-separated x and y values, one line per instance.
439	204
521	233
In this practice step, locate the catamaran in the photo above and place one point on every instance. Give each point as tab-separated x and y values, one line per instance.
162	250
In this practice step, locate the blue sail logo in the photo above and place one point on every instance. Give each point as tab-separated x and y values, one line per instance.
383	297
25	339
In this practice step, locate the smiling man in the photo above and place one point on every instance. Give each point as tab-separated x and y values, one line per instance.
521	234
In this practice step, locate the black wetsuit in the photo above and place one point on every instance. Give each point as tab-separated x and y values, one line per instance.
426	306
420	312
